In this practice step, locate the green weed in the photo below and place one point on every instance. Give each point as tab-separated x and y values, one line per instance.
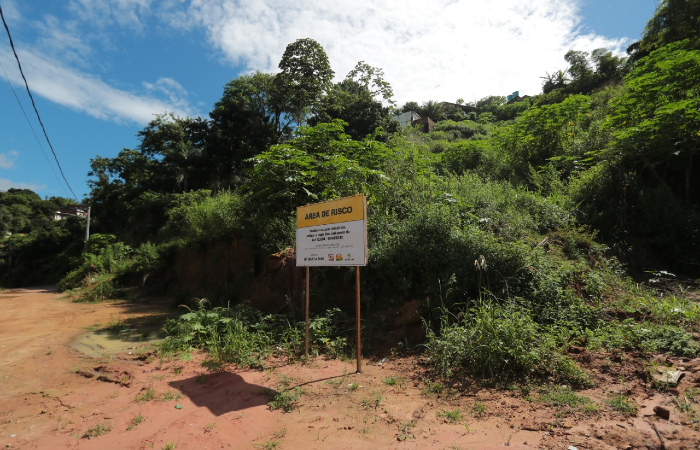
98	430
453	416
405	431
434	387
167	396
372	402
622	404
479	410
136	420
389	381
146	395
287	401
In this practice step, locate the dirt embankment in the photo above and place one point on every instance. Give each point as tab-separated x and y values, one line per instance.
122	396
231	269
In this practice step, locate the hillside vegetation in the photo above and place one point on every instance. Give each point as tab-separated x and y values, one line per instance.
521	227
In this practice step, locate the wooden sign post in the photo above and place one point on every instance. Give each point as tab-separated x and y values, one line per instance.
333	233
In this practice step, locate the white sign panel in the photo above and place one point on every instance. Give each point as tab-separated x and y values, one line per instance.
325	236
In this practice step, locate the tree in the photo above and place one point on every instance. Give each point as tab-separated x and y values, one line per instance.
555	80
657	121
540	135
320	164
608	67
305	76
353	104
674	20
582	77
357	100
432	109
372	80
490	103
247	120
179	140
410	106
116	183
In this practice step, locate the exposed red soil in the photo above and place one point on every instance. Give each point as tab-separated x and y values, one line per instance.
53	396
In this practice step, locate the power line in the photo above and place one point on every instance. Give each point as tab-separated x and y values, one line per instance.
34	104
32	128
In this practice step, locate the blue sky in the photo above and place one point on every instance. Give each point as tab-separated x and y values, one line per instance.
100	69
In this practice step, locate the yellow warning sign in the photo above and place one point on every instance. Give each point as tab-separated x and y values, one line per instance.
335	211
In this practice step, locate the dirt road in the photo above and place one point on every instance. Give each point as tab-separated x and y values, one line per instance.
83	376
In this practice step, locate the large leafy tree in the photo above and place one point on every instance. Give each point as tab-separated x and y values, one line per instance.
22	210
657	121
247	120
116	184
357	100
674	20
305	75
180	141
540	135
321	163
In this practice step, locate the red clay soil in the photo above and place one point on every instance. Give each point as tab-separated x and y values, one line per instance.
53	396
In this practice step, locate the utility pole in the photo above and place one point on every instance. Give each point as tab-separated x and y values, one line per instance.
87	229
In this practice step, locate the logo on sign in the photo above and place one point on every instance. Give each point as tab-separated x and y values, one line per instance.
330	257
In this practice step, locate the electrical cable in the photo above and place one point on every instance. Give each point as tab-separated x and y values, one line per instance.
34	105
32	128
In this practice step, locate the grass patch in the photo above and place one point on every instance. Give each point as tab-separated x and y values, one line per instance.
448	416
98	430
561	396
566	401
434	387
405	431
287	401
479	410
167	396
621	404
146	395
372	402
389	381
136	420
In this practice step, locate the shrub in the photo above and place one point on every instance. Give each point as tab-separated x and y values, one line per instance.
205	218
463	156
492	341
465	129
498	342
104	255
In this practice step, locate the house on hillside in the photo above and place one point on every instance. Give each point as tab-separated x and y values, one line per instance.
466	108
406	119
70	210
411	118
424	124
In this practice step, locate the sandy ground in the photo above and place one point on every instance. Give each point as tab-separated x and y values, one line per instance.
84	376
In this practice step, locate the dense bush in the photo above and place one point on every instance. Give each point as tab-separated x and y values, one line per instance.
498	342
205	218
245	336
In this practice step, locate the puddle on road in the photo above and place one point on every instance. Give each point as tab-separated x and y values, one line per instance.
100	343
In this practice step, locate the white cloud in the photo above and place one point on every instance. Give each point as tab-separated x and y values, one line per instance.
439	49
11	11
65	39
172	89
126	14
7	160
6	184
86	93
